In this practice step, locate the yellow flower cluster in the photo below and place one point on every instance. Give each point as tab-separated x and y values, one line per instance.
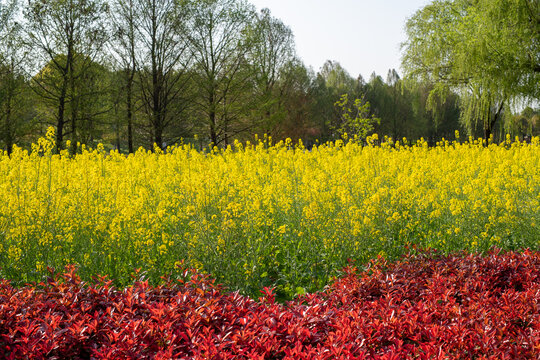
261	214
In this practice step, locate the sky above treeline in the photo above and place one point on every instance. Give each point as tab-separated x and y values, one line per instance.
364	36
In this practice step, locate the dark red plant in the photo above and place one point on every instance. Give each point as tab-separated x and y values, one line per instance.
423	307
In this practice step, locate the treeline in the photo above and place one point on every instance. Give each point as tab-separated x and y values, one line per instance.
131	73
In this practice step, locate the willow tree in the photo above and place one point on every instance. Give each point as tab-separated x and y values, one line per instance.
489	50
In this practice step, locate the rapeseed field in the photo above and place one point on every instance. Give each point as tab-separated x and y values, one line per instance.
261	214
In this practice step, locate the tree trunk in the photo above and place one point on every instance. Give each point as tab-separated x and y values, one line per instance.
158	130
117	125
157	121
62	99
158	138
213	133
7	128
156	84
490	124
74	108
212	118
487	133
8	131
225	133
131	79
130	113
60	122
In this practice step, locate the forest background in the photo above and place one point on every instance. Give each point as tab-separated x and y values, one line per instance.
134	73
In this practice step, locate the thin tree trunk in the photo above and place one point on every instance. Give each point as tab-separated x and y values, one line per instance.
7	126
158	139
156	85
212	119
131	79
488	129
8	138
117	126
60	121
74	108
130	112
156	112
225	133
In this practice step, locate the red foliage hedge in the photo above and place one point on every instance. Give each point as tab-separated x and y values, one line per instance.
425	306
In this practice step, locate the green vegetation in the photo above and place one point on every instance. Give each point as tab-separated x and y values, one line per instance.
131	73
261	215
487	50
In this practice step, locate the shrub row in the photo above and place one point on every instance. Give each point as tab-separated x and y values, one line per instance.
424	306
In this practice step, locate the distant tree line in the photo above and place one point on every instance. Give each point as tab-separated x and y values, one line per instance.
132	73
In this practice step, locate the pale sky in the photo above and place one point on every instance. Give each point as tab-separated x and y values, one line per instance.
362	35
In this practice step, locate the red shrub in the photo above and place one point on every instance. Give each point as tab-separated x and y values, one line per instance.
422	307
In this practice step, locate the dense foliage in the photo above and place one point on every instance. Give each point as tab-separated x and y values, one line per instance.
260	214
130	73
423	307
488	50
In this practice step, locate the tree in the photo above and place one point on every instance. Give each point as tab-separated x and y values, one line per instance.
334	81
489	50
15	118
87	98
163	57
272	51
295	104
66	36
525	124
123	40
222	74
6	15
435	121
338	79
382	101
399	109
93	94
355	118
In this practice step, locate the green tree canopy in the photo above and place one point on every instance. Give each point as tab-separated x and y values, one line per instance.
488	49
